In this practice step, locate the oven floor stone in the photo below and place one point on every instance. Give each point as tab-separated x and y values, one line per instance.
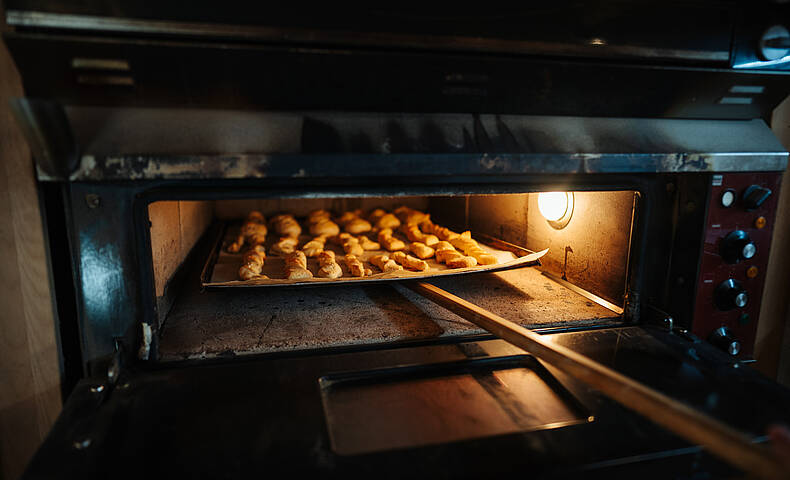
223	322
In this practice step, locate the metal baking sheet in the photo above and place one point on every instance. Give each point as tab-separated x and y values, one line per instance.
433	404
221	269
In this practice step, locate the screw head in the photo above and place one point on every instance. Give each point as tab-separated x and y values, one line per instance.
92	200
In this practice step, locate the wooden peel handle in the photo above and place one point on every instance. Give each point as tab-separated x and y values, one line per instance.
695	426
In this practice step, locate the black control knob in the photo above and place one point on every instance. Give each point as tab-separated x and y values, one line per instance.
754	196
722	338
730	294
737	246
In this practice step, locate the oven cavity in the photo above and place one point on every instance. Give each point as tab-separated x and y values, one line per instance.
579	281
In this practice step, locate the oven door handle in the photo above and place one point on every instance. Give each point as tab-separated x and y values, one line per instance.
683	420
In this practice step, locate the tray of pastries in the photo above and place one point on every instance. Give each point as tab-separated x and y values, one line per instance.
353	246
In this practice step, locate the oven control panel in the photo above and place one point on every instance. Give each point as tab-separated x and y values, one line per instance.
734	259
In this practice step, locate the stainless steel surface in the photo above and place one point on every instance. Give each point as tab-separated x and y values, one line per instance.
142	143
340	38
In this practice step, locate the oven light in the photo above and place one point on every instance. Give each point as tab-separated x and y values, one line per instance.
556	207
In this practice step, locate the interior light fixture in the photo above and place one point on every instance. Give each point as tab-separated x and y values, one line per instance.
556	208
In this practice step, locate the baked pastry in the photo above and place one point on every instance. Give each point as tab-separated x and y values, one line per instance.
285	246
296	259
385	263
286	225
235	246
462	262
279	217
410	262
314	246
353	247
421	250
469	246
368	244
356	267
357	226
329	267
317	216
340	238
249	271
256	216
410	216
251	256
387	220
389	242
441	232
290	228
257	239
296	266
297	273
348	216
443	245
447	254
444	255
326	228
415	235
252	228
376	214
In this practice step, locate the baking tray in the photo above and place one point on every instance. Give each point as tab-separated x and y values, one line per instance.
410	406
221	268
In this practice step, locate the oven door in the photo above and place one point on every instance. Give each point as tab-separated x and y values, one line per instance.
468	408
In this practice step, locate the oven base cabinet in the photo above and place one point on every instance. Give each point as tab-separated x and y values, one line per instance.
287	413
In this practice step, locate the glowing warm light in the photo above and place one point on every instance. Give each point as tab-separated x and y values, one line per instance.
553	205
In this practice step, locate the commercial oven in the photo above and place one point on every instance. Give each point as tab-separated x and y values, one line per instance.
629	174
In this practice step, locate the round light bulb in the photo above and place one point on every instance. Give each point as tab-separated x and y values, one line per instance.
553	205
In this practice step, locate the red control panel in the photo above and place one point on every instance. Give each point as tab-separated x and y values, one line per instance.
734	259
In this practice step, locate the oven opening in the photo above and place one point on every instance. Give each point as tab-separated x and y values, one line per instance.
204	309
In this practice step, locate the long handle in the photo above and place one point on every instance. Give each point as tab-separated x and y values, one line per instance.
693	425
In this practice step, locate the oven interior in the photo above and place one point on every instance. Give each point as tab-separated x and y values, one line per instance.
581	280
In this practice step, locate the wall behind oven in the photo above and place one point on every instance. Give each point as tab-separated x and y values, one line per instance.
30	375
